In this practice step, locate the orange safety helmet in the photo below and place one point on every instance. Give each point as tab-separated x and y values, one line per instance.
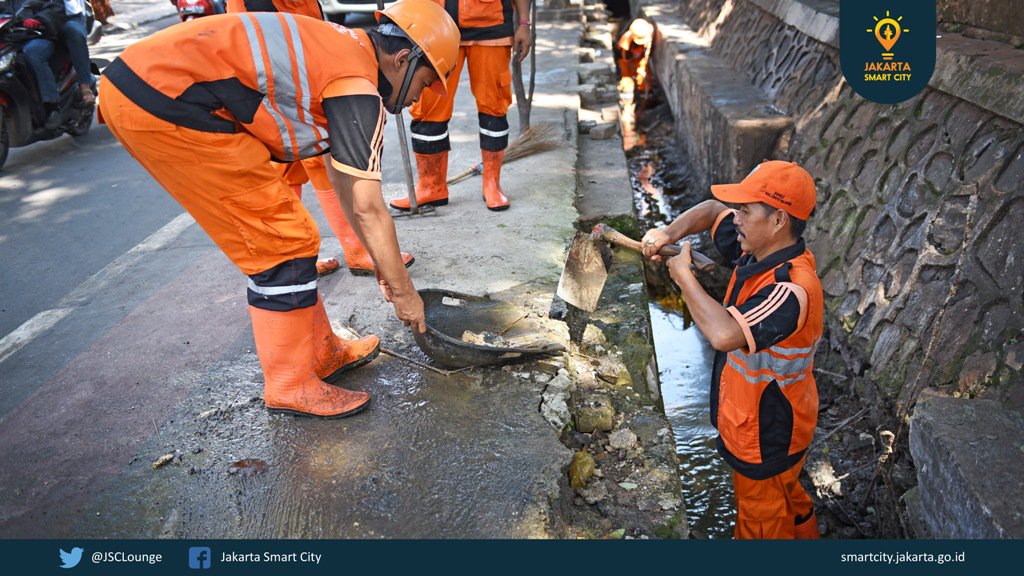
431	28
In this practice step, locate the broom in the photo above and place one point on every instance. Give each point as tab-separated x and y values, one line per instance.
533	140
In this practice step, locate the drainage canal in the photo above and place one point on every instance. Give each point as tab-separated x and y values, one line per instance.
659	174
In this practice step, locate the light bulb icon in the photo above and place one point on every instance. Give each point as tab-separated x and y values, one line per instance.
887	31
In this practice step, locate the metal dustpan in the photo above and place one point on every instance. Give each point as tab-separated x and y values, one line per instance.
465	330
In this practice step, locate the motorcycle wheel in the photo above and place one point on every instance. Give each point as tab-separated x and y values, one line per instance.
5	143
80	127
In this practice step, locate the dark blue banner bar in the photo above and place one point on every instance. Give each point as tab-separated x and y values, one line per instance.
315	557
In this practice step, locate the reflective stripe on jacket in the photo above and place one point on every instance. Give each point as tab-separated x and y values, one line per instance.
765	402
263	73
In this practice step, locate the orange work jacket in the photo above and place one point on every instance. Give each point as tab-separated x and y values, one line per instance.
260	72
764	401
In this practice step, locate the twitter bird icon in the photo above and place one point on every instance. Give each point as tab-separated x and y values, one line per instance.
70	559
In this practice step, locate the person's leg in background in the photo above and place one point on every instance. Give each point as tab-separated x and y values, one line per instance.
430	142
294	342
38	52
74	34
356	256
294	174
490	78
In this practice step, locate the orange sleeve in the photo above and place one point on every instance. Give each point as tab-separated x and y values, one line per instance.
351	86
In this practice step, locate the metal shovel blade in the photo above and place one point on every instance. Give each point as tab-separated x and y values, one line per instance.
584	274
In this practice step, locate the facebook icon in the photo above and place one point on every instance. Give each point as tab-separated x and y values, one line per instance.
199	557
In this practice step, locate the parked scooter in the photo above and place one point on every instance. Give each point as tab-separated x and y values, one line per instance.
22	115
192	9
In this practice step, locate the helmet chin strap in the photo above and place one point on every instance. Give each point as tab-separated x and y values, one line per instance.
406	83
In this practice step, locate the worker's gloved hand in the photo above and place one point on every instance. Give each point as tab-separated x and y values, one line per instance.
31	23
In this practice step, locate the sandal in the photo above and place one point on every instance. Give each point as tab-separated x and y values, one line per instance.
88	98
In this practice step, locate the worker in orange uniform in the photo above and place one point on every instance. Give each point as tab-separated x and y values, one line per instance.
764	401
357	259
490	33
205	105
633	54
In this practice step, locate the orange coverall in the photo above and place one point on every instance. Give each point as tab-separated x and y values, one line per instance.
634	52
206	124
764	400
488	31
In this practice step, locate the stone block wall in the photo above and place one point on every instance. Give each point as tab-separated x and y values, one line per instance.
725	123
1002	17
953	448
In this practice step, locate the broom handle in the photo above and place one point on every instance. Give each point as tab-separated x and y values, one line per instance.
609	234
410	186
524	100
478	169
523	145
533	52
403	141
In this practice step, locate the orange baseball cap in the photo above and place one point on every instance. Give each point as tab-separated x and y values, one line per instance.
783	185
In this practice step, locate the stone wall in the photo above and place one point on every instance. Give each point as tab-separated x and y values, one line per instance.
1003	18
953	448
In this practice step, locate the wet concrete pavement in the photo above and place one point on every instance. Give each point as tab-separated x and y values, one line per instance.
173	371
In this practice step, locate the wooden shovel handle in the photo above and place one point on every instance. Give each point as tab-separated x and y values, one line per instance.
613	236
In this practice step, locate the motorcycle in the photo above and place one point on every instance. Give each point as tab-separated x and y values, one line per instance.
22	115
192	9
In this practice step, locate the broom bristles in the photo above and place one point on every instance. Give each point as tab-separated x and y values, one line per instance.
534	140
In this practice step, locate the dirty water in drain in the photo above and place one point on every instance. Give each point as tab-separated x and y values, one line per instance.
661	191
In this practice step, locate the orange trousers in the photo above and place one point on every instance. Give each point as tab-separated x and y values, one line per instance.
490	79
307	170
225	181
768	509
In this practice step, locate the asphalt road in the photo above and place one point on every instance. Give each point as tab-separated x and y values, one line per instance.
71	206
75	216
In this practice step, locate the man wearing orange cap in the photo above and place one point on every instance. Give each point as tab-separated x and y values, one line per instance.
764	401
205	105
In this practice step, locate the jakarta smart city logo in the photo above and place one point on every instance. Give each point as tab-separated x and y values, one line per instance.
887	48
